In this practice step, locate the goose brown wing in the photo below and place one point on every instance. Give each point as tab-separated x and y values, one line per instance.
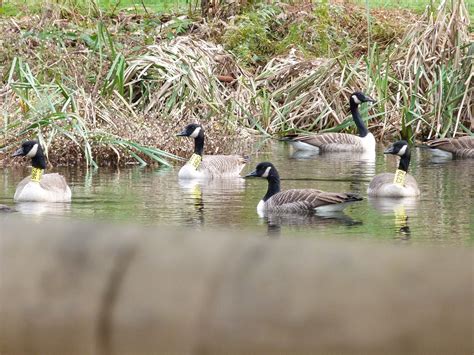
307	199
379	180
332	141
462	147
218	165
54	182
387	179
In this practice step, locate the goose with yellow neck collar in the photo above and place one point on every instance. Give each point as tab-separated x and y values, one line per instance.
400	184
40	187
201	166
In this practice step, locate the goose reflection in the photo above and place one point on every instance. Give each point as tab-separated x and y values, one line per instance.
358	167
275	220
401	208
202	192
43	208
367	157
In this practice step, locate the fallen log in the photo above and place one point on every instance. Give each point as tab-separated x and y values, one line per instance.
86	288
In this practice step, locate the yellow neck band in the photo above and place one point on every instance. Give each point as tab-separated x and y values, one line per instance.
399	178
36	174
195	160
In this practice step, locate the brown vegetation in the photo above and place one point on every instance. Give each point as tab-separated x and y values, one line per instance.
104	92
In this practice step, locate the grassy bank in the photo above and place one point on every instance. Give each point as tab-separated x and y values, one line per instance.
12	7
112	87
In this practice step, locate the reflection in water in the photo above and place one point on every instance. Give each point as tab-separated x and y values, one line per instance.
389	205
40	208
200	189
346	156
88	178
399	207
193	189
304	154
275	220
438	155
360	165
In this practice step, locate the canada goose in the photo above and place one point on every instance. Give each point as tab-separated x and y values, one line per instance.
400	184
462	147
39	187
297	200
208	166
340	142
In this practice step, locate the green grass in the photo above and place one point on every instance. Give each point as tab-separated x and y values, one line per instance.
151	5
403	4
17	7
12	7
414	5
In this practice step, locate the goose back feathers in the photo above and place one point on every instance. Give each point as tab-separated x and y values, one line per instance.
51	188
208	166
462	147
214	166
382	185
336	142
304	200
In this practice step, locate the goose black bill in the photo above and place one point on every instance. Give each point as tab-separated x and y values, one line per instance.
18	152
389	150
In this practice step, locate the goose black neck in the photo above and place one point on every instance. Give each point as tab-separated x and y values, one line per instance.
273	184
199	144
39	161
358	120
404	161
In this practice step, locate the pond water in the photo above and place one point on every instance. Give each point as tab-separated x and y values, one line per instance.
442	215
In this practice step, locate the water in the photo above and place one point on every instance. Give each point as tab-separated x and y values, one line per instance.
442	215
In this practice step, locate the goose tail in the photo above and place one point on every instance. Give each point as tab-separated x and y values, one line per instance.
353	197
288	138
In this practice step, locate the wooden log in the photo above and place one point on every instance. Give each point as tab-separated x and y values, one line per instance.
84	289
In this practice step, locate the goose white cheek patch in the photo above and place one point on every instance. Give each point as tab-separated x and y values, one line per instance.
196	132
33	151
356	99
402	150
265	174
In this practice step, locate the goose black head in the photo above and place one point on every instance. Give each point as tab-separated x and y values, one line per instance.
192	130
264	170
33	150
358	97
399	148
29	149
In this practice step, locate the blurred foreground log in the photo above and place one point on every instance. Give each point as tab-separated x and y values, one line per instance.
96	289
